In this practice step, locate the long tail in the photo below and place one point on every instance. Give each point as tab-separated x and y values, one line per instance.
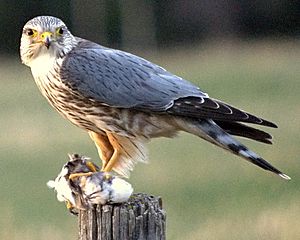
242	130
210	131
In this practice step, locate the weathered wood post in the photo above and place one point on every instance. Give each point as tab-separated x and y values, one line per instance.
141	217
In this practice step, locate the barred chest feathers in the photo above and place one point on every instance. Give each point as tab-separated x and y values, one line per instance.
90	115
45	70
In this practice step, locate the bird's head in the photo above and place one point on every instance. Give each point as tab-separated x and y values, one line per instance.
45	35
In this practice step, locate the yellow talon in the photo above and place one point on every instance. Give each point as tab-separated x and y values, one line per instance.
91	166
107	176
69	205
76	175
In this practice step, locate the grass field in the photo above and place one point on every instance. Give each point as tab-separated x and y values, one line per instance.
207	193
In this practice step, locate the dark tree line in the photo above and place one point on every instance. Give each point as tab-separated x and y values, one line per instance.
155	23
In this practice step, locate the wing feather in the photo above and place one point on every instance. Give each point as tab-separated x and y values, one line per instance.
123	80
214	109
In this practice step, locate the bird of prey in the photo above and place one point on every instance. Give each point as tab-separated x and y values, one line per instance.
123	100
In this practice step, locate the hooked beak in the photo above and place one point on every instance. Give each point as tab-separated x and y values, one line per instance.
46	39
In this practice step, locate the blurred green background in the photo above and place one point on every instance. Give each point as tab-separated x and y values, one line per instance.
246	53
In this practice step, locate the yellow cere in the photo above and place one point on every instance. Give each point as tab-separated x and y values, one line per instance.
46	34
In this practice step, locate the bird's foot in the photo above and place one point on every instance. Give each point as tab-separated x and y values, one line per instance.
92	169
71	208
76	175
91	166
69	204
106	175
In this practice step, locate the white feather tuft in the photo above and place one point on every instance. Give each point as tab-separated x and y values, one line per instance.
51	184
121	190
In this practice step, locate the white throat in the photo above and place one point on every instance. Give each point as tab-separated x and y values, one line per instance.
43	62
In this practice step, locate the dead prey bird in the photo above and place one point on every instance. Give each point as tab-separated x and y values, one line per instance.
88	186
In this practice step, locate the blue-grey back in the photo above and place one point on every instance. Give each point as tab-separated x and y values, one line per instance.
121	79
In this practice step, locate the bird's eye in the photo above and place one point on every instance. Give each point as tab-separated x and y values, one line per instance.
29	32
60	30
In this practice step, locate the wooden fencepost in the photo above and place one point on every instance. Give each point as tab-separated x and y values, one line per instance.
140	218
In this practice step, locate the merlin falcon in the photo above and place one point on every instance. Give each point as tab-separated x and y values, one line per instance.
123	100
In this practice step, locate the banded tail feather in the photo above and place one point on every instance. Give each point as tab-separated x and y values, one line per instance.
212	132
